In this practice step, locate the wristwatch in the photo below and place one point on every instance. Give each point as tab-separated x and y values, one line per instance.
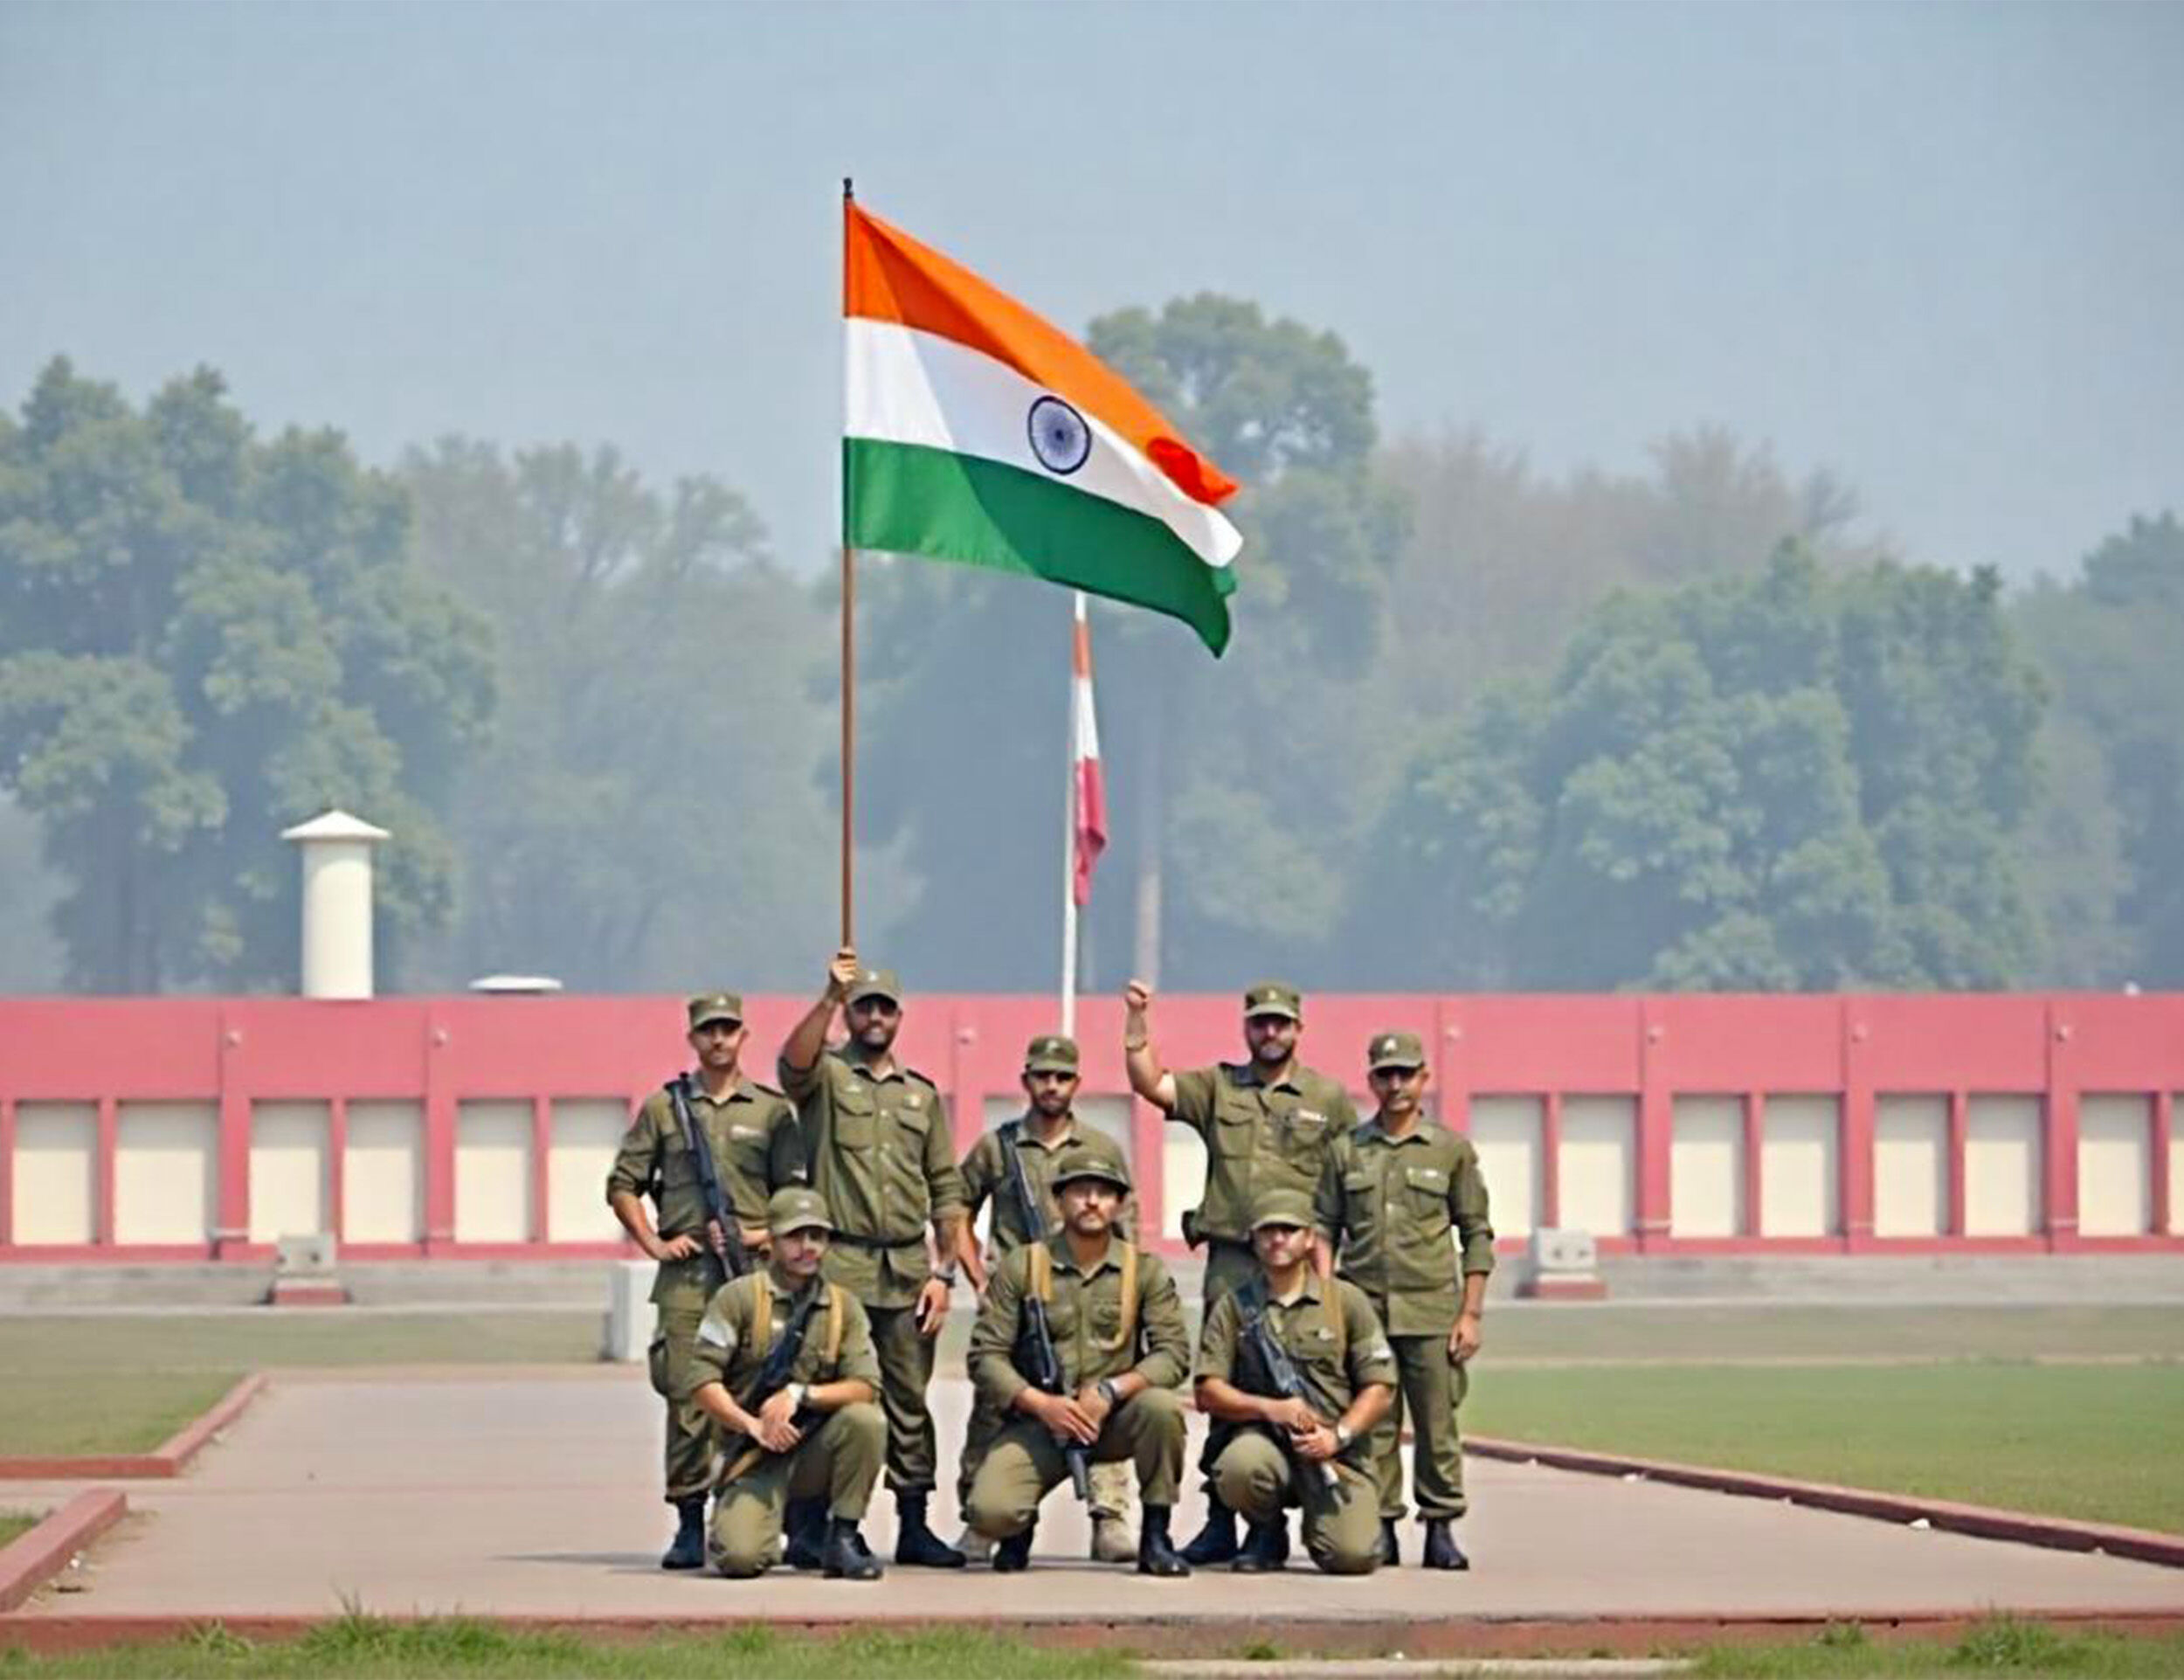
1343	1436
1106	1391
796	1391
947	1277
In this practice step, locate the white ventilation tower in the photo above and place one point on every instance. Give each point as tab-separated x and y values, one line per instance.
337	850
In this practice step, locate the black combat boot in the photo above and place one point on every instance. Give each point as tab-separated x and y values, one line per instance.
916	1544
1216	1542
1442	1550
1156	1556
1266	1546
1014	1555
804	1530
846	1556
687	1549
1391	1548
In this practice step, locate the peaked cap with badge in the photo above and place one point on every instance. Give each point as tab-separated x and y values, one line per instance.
1273	997
709	1006
1395	1050
1051	1053
797	1209
876	983
1091	1157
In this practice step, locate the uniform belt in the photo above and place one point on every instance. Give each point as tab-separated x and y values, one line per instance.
879	1242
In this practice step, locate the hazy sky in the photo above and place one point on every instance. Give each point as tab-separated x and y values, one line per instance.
1938	248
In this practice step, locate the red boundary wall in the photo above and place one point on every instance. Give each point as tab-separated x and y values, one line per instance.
440	1052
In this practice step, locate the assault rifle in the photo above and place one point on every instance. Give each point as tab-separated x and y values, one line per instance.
773	1375
1036	1341
1278	1369
734	1258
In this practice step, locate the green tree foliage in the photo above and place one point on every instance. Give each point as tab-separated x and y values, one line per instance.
1235	790
205	637
1797	779
647	814
2113	820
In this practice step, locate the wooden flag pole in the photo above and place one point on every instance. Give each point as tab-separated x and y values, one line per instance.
849	626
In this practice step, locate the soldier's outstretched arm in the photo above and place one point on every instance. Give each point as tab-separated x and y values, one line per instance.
807	1038
1147	1076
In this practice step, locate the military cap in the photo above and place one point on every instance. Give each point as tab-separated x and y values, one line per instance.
1281	1207
796	1208
1091	1158
1272	997
1050	1053
1394	1050
876	983
716	1006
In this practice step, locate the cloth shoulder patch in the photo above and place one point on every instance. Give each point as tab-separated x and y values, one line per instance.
1379	1354
717	1331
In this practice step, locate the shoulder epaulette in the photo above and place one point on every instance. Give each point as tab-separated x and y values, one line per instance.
912	1073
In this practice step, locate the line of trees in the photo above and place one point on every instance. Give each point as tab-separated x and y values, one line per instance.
1478	726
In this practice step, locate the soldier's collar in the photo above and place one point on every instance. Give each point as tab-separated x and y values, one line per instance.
1066	1135
1247	1074
1307	1290
864	1070
740	1088
1372	1129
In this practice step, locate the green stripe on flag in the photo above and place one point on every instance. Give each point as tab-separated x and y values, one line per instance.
909	499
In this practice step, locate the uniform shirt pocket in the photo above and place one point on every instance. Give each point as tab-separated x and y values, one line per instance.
856	1117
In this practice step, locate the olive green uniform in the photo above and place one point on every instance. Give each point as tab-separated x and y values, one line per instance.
1258	1137
1091	1341
882	1157
838	1458
1338	1348
986	1175
756	1149
1389	1203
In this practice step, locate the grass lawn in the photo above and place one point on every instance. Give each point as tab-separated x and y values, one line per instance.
362	1646
2002	1646
1801	1331
15	1523
124	1382
2105	1442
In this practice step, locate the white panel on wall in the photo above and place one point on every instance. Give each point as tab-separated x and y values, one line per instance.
1599	1169
492	1171
2001	1167
1799	1155
586	1132
56	1180
1506	1131
2115	1166
166	1168
288	1158
1182	1176
1706	1167
382	1173
2176	1166
1911	1165
997	1111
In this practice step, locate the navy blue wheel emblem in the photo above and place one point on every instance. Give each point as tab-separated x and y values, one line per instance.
1059	437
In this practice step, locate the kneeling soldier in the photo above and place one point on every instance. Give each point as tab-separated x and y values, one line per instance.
1080	1344
784	1363
1300	1365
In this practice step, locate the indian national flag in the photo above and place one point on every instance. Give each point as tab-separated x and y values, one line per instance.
978	433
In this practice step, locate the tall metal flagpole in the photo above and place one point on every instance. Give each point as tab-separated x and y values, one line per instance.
849	615
1069	830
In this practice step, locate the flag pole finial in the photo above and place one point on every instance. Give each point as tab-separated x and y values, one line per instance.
849	192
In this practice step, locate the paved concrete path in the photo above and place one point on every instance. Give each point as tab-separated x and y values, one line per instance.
493	1491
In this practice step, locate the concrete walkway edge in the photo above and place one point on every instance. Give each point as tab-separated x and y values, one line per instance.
165	1460
1442	1639
30	1560
2061	1532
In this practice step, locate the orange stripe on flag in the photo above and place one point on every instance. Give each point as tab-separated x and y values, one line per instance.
891	277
